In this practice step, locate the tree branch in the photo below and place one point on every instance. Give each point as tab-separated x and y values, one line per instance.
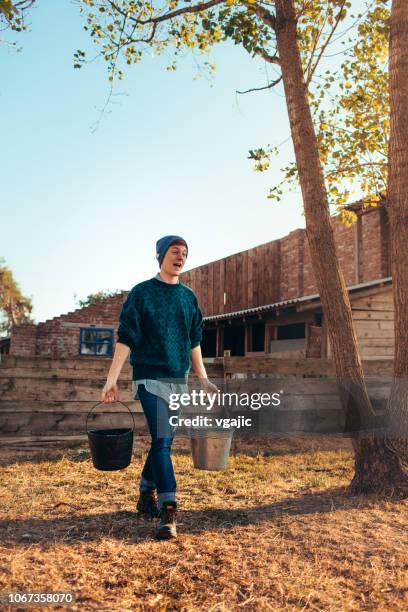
271	59
198	8
269	86
355	167
323	47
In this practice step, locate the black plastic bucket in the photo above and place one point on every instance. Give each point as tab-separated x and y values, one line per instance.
111	449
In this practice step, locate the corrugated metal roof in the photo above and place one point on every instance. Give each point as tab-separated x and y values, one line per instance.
288	303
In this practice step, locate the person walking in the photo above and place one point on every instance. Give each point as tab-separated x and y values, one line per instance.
160	325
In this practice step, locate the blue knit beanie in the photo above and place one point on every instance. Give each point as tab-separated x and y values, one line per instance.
164	243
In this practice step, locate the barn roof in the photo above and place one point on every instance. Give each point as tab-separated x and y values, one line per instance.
292	302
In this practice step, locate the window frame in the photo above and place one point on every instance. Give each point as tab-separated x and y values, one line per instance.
96	342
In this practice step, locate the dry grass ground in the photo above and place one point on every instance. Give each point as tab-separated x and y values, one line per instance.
276	531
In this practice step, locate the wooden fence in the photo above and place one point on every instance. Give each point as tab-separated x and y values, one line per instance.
45	399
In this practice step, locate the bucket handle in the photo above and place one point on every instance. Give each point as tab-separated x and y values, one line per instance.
118	402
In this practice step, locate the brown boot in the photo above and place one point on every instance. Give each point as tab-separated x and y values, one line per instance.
167	526
147	505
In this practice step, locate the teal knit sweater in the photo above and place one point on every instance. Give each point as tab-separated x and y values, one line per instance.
160	323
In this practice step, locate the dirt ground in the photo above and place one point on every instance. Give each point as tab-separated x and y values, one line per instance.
276	530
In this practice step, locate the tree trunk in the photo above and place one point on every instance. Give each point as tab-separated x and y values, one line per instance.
374	462
397	202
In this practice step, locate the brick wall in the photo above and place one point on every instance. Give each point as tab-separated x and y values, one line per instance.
59	337
346	249
309	283
291	263
374	244
23	340
363	251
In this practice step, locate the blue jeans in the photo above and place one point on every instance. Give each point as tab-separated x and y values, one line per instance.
158	472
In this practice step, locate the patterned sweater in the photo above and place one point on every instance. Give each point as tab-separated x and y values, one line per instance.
161	323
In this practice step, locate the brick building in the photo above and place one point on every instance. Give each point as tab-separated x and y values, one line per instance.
263	300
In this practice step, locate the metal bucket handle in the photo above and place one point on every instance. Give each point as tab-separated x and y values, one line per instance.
118	402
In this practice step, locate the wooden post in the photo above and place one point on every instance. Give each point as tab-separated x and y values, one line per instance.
247	342
219	342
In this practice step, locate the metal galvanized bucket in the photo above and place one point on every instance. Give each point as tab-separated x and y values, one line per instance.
210	448
111	449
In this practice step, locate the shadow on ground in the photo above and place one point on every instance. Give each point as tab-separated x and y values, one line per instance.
125	525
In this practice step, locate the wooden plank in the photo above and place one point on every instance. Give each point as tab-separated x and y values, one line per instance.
47	423
366	292
289	387
268	297
299	386
260	280
267	337
216	288
354	296
377	351
310	367
268	364
247	338
238	282
379	342
255	274
295	317
204	289
222	286
367	304
290	354
386	297
8	440
74	363
210	289
61	374
230	281
62	407
80	390
251	292
241	298
389	334
373	315
244	283
368	326
220	341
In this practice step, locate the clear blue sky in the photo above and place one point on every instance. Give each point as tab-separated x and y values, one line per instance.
82	210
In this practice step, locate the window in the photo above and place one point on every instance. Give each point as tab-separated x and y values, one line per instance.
258	337
209	343
234	339
291	331
96	342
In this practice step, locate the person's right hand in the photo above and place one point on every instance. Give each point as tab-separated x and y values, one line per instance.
110	393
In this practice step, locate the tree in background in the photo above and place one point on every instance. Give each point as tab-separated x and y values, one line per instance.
291	35
99	296
15	308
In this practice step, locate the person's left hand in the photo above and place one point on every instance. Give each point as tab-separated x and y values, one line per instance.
208	387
